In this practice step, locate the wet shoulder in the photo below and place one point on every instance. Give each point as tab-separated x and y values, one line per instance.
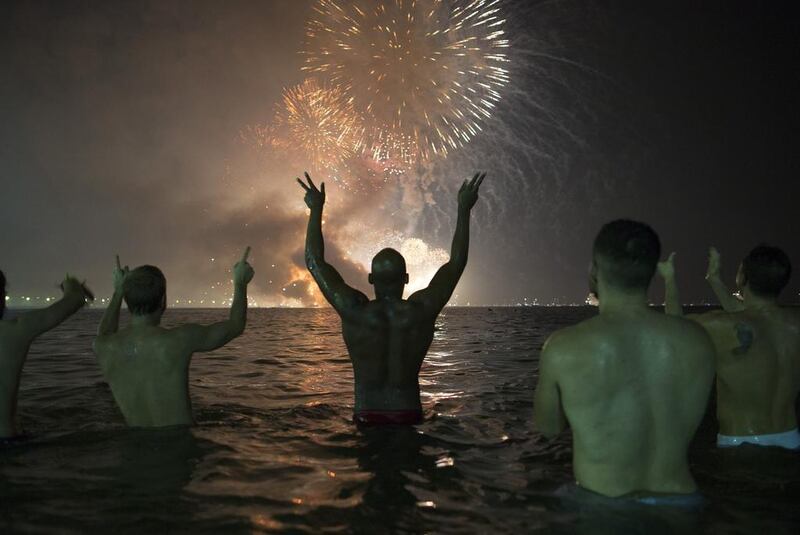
394	313
150	341
575	340
684	337
716	318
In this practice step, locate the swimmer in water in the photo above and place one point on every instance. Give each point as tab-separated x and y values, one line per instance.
757	345
146	365
16	336
632	383
387	338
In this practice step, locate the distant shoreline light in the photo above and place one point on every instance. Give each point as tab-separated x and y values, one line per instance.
29	301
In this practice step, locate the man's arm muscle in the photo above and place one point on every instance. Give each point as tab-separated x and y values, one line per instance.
210	337
36	322
444	283
547	407
342	297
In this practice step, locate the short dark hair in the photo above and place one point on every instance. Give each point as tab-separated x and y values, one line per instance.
766	270
629	252
144	289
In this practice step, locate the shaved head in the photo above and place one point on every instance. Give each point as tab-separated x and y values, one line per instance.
388	266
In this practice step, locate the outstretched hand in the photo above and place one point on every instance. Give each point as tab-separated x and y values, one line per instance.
667	268
314	198
119	276
242	271
712	272
72	286
468	194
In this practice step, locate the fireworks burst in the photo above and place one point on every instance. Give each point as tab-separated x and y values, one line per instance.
320	123
425	73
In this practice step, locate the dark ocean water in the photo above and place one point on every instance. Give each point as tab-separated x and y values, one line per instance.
274	449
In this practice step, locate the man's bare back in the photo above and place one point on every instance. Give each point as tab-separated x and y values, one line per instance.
758	368
387	338
757	345
632	383
146	365
147	368
387	341
633	387
16	336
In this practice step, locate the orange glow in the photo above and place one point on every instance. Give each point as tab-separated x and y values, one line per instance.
315	297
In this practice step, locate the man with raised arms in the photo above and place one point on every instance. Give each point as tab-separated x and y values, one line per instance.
631	382
387	338
757	346
16	336
146	365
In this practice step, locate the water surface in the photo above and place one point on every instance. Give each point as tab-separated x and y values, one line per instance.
274	448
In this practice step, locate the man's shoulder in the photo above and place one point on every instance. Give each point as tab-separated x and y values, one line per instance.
688	324
716	317
568	340
124	336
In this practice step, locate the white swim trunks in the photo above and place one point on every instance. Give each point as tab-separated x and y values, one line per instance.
788	439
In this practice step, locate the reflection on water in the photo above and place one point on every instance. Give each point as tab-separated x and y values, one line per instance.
274	448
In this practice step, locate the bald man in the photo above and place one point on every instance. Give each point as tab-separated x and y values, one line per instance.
387	338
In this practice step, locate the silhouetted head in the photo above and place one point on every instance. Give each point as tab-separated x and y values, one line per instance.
145	291
765	271
625	256
388	274
2	293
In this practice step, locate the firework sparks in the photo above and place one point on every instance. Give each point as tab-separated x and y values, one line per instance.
425	73
320	122
422	259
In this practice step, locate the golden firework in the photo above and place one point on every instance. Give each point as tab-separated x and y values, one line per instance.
319	122
425	74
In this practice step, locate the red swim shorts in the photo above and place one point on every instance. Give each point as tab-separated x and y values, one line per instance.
375	417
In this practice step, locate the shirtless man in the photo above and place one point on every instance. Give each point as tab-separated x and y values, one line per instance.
757	350
146	365
631	382
387	338
16	336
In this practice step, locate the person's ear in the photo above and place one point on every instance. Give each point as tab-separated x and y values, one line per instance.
369	278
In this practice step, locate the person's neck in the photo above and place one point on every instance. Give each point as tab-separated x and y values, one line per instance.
754	301
146	320
615	300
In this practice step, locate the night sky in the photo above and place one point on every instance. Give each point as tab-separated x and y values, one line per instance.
122	125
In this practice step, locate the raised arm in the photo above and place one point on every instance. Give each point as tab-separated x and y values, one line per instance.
441	287
110	322
726	299
547	408
341	296
210	337
36	322
672	302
